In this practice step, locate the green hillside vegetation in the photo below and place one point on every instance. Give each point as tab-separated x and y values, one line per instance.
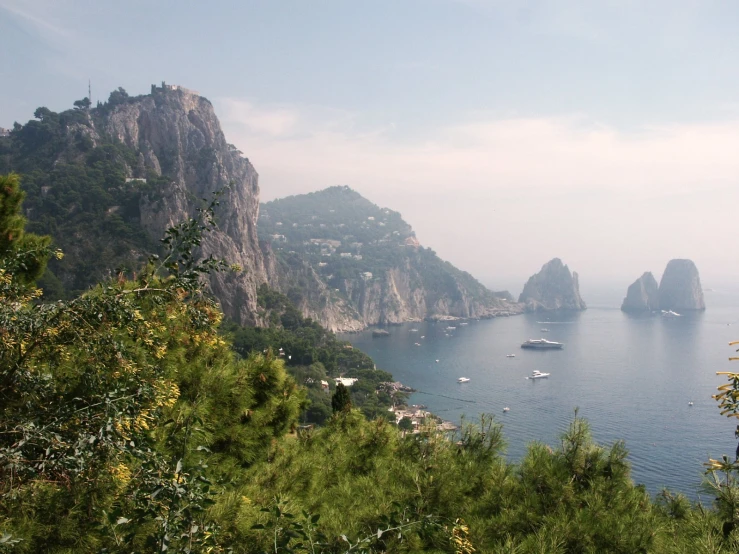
364	238
312	354
130	425
77	193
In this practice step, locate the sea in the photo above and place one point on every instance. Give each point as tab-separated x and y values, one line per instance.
632	377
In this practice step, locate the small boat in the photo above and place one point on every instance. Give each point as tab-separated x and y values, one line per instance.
437	361
510	355
545	330
464	323
417	343
463	380
690	403
413	331
536	374
423	336
450	328
669	314
506	409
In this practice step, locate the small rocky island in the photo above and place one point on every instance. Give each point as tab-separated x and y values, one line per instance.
679	290
553	288
642	296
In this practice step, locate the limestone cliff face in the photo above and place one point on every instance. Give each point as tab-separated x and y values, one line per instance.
642	295
178	135
400	294
553	288
680	287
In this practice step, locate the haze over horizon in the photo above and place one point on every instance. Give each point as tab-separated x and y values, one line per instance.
603	135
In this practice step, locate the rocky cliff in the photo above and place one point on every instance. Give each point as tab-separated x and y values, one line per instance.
177	134
553	288
680	287
365	266
642	295
107	182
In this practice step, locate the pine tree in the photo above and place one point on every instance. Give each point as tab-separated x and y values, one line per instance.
341	401
14	241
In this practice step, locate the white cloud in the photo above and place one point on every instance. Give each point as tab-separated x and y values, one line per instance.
513	190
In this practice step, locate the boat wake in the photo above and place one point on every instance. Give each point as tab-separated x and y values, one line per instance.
445	396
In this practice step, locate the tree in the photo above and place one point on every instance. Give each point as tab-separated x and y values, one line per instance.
118	97
31	250
406	424
341	400
114	402
83	104
724	473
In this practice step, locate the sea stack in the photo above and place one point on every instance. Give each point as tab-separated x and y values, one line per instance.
643	295
553	288
680	288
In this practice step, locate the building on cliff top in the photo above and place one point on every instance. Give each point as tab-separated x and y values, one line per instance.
166	87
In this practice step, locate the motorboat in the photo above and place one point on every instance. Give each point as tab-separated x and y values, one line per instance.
542	344
417	343
690	403
510	355
670	314
506	409
545	330
437	361
413	331
536	374
450	328
463	380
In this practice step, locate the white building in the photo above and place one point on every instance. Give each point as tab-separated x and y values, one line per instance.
346	381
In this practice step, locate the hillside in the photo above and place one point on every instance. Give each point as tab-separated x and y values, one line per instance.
106	183
370	257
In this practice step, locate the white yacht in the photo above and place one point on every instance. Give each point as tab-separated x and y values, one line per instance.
542	344
536	374
463	380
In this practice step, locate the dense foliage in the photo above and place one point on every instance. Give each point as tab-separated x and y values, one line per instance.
113	400
130	425
313	354
77	193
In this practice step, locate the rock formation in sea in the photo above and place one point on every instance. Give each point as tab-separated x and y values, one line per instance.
642	295
553	288
680	288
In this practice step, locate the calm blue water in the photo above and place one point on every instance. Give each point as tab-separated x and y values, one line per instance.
631	377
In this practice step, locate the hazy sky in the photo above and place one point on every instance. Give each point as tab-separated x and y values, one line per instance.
605	133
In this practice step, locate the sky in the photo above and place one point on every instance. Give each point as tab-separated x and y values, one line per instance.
605	133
